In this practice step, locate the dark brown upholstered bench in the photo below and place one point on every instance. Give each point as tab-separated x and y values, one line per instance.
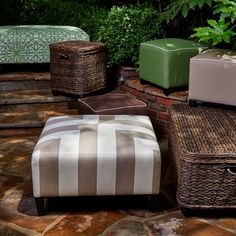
112	104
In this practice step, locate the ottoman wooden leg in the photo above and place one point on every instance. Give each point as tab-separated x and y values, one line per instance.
192	103
143	82
188	212
153	202
55	93
39	201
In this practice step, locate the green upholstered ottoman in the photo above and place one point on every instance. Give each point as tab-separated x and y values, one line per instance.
30	43
165	62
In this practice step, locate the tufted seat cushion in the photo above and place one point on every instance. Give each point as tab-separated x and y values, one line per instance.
112	103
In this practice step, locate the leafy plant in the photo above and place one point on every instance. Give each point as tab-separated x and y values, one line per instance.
226	8
125	28
223	30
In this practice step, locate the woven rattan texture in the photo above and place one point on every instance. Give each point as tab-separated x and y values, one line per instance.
78	67
203	142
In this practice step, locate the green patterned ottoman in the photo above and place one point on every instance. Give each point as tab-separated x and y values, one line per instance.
165	62
30	43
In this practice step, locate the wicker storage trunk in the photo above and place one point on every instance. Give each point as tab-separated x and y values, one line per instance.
203	142
78	67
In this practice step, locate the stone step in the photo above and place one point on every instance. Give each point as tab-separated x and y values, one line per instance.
22	120
26	101
23	113
27	123
33	100
30	119
20	132
16	81
25	76
30	96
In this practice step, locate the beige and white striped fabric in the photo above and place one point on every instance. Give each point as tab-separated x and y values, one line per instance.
96	155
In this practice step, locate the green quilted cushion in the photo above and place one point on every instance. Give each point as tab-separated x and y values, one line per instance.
30	43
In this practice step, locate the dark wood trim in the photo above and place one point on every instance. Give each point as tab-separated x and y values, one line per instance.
39	201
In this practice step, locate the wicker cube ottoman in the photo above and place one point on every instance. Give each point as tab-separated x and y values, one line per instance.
77	67
203	141
111	104
213	77
95	155
165	62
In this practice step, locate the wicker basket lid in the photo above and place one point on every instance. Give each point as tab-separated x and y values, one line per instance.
204	134
77	46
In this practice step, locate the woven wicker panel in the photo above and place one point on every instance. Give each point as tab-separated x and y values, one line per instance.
30	43
203	140
78	67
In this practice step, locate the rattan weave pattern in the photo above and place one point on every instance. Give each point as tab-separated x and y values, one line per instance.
78	67
203	141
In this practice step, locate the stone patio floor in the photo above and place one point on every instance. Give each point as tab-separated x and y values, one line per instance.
105	216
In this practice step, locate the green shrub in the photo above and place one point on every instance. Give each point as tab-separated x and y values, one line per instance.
45	12
90	19
56	12
183	7
10	12
125	28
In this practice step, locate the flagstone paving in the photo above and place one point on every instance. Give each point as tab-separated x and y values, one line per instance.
88	216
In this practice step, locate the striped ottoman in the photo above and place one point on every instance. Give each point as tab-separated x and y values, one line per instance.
95	155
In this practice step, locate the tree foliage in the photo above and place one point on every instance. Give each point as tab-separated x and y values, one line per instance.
220	31
182	7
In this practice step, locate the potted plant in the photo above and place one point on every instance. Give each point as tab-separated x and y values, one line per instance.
123	31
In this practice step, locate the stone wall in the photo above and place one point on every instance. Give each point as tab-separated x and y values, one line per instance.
158	102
